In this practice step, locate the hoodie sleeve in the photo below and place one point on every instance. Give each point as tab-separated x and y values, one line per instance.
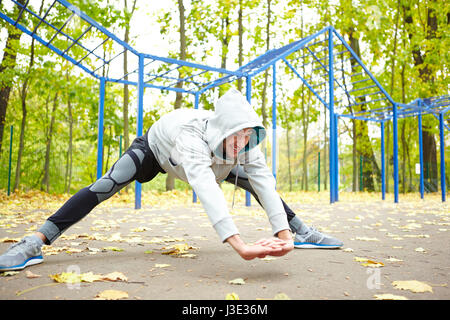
196	161
263	182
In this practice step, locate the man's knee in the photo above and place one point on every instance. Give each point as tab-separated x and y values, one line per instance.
121	173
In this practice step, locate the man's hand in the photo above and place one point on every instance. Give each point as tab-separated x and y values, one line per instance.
284	241
260	249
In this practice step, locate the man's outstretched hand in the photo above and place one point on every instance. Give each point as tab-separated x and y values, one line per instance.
263	247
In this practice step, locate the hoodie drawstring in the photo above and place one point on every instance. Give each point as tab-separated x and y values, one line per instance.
235	183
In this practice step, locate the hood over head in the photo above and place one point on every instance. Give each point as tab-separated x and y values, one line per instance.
233	113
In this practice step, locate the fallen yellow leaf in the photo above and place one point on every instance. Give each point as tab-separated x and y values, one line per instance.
69	277
413	286
238	281
388	296
232	296
188	255
111	295
66	277
281	296
31	275
115	276
368	263
8	273
176	249
367	239
113	249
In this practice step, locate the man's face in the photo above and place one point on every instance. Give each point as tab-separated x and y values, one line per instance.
234	143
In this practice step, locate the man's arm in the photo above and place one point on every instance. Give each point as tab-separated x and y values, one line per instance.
264	185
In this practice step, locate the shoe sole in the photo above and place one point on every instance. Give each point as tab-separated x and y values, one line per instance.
27	263
309	245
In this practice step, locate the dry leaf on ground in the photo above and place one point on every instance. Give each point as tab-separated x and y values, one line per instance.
177	249
232	296
70	277
413	286
368	263
31	275
238	281
111	295
389	296
281	296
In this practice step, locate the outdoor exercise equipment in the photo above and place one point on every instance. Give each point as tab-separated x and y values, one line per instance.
323	61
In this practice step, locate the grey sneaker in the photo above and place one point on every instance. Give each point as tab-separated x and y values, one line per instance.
314	239
25	253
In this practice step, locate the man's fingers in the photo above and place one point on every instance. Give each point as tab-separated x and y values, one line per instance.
273	243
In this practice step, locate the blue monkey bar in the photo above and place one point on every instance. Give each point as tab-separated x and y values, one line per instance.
323	61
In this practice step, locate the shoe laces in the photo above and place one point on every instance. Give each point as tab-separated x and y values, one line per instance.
314	232
19	246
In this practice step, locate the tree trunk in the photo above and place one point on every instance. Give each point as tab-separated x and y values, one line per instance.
46	180
388	124
305	125
22	134
23	97
6	66
427	77
266	73
403	176
325	149
126	94
288	148
354	157
170	180
241	46
70	148
364	145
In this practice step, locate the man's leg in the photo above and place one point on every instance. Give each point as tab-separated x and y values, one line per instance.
137	163
79	205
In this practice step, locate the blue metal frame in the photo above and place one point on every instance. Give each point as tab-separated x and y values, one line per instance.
140	122
421	187
314	51
101	111
383	179
442	153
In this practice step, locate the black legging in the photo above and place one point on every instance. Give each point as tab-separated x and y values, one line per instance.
137	163
242	182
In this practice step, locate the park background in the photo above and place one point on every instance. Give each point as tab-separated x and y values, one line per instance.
52	106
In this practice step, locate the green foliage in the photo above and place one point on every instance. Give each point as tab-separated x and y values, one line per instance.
212	36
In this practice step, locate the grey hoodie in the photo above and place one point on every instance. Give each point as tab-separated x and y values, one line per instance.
188	144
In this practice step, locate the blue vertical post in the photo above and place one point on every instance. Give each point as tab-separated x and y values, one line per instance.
194	195
421	155
383	179
332	118
274	123
140	123
249	98
101	111
120	149
336	159
395	142
442	151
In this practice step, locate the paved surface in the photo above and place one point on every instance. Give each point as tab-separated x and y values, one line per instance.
411	240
